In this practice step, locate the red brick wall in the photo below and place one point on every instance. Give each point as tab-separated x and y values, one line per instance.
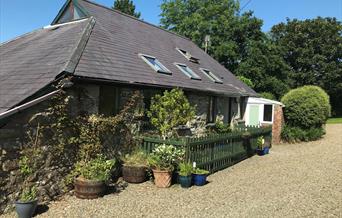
278	121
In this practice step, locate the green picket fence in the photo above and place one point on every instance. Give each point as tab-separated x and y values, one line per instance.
215	152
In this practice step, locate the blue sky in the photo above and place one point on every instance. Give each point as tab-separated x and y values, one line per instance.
21	16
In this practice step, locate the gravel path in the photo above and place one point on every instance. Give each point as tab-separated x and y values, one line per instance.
295	180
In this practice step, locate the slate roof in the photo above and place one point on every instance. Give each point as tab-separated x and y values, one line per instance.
104	46
34	60
117	39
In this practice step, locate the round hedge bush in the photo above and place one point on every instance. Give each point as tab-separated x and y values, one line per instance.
306	107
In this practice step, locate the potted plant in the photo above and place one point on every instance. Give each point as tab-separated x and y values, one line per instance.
262	148
134	167
199	177
27	203
184	174
92	176
162	161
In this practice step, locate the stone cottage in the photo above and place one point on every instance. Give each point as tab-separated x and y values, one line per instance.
105	55
108	54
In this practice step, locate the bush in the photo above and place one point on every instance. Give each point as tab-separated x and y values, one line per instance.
306	107
268	95
170	110
296	134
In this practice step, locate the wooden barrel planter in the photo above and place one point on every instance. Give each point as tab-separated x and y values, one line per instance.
134	174
89	189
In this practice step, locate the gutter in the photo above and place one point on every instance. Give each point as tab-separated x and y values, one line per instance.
28	104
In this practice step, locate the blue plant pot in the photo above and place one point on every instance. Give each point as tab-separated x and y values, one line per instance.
185	181
199	179
263	151
26	209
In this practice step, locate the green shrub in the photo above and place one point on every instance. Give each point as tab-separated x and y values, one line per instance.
220	127
296	134
306	107
268	95
170	110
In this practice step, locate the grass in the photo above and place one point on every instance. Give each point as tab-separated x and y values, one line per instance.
334	120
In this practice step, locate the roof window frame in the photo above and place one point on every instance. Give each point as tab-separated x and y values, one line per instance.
191	75
164	70
211	75
188	56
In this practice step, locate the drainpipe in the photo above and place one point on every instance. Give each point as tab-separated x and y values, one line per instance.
28	104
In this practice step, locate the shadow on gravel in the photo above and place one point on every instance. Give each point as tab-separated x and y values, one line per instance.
116	188
41	208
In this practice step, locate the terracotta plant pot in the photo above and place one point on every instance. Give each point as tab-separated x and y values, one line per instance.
88	189
162	178
134	174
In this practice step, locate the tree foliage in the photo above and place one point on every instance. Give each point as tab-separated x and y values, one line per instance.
237	40
170	110
306	107
313	50
127	7
247	81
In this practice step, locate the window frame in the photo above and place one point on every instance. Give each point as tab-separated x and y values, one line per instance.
191	75
212	109
189	57
211	75
263	113
164	70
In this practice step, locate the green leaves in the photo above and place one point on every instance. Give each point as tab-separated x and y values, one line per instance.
313	50
28	194
306	107
170	110
127	7
165	157
98	169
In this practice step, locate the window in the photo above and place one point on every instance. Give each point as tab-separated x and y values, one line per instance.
211	116
187	71
188	56
155	64
109	100
211	76
268	112
70	13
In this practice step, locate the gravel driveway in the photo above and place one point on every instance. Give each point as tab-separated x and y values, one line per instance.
295	180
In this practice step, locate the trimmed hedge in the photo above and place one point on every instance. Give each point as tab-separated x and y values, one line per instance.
306	107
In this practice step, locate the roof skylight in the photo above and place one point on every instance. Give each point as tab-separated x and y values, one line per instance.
155	64
188	56
211	75
187	71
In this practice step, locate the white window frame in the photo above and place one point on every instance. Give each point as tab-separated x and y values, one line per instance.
195	75
263	111
211	75
164	69
188	57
